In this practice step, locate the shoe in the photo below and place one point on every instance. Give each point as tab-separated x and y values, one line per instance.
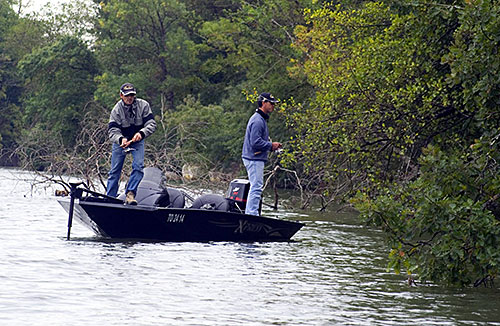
130	199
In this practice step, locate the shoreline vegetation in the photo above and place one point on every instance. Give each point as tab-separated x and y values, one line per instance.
389	107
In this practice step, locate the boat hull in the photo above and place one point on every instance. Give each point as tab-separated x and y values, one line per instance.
120	221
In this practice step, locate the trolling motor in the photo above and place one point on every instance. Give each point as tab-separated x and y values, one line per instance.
75	192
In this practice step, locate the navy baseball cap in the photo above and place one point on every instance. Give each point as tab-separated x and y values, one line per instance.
267	97
127	89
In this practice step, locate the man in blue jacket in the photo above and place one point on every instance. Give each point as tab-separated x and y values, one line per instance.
130	122
256	146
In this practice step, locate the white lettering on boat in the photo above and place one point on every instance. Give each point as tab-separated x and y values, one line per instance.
175	218
246	226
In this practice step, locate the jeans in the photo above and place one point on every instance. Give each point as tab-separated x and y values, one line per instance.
255	171
117	159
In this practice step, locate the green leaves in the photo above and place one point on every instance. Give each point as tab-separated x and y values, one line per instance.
390	81
475	62
149	43
59	82
205	134
251	45
438	223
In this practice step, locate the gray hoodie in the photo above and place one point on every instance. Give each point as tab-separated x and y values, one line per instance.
126	121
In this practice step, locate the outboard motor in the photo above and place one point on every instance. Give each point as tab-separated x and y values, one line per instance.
237	194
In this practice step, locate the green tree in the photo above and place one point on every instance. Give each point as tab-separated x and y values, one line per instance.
149	44
250	47
59	82
206	134
9	80
406	113
445	225
381	94
22	36
475	63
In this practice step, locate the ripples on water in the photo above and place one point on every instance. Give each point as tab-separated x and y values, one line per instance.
334	273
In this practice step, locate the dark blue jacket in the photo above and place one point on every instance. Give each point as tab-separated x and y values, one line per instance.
256	144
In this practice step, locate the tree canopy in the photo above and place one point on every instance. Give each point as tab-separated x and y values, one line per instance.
405	114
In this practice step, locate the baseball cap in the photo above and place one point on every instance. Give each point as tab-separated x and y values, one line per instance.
127	89
267	97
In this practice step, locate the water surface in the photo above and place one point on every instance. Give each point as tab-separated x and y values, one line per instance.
332	274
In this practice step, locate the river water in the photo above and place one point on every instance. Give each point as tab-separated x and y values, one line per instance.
332	274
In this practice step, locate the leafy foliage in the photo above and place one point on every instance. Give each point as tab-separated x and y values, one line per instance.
9	80
250	46
381	94
149	44
207	134
391	81
59	82
438	226
475	63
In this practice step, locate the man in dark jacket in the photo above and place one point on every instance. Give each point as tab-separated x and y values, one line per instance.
255	150
130	122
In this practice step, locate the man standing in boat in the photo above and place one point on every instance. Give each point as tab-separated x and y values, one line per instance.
130	122
255	150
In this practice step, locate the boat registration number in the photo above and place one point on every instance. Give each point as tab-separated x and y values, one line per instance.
175	218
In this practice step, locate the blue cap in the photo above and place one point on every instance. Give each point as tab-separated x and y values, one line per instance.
127	89
267	97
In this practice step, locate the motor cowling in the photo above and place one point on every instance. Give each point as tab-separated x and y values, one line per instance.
237	194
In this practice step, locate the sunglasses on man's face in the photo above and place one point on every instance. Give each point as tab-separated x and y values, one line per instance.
129	95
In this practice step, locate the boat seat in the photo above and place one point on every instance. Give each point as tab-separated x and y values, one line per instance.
211	201
151	193
177	199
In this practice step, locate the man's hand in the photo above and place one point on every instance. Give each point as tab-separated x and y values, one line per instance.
124	143
275	146
137	137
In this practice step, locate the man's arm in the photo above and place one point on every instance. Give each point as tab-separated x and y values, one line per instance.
258	143
148	120
114	128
